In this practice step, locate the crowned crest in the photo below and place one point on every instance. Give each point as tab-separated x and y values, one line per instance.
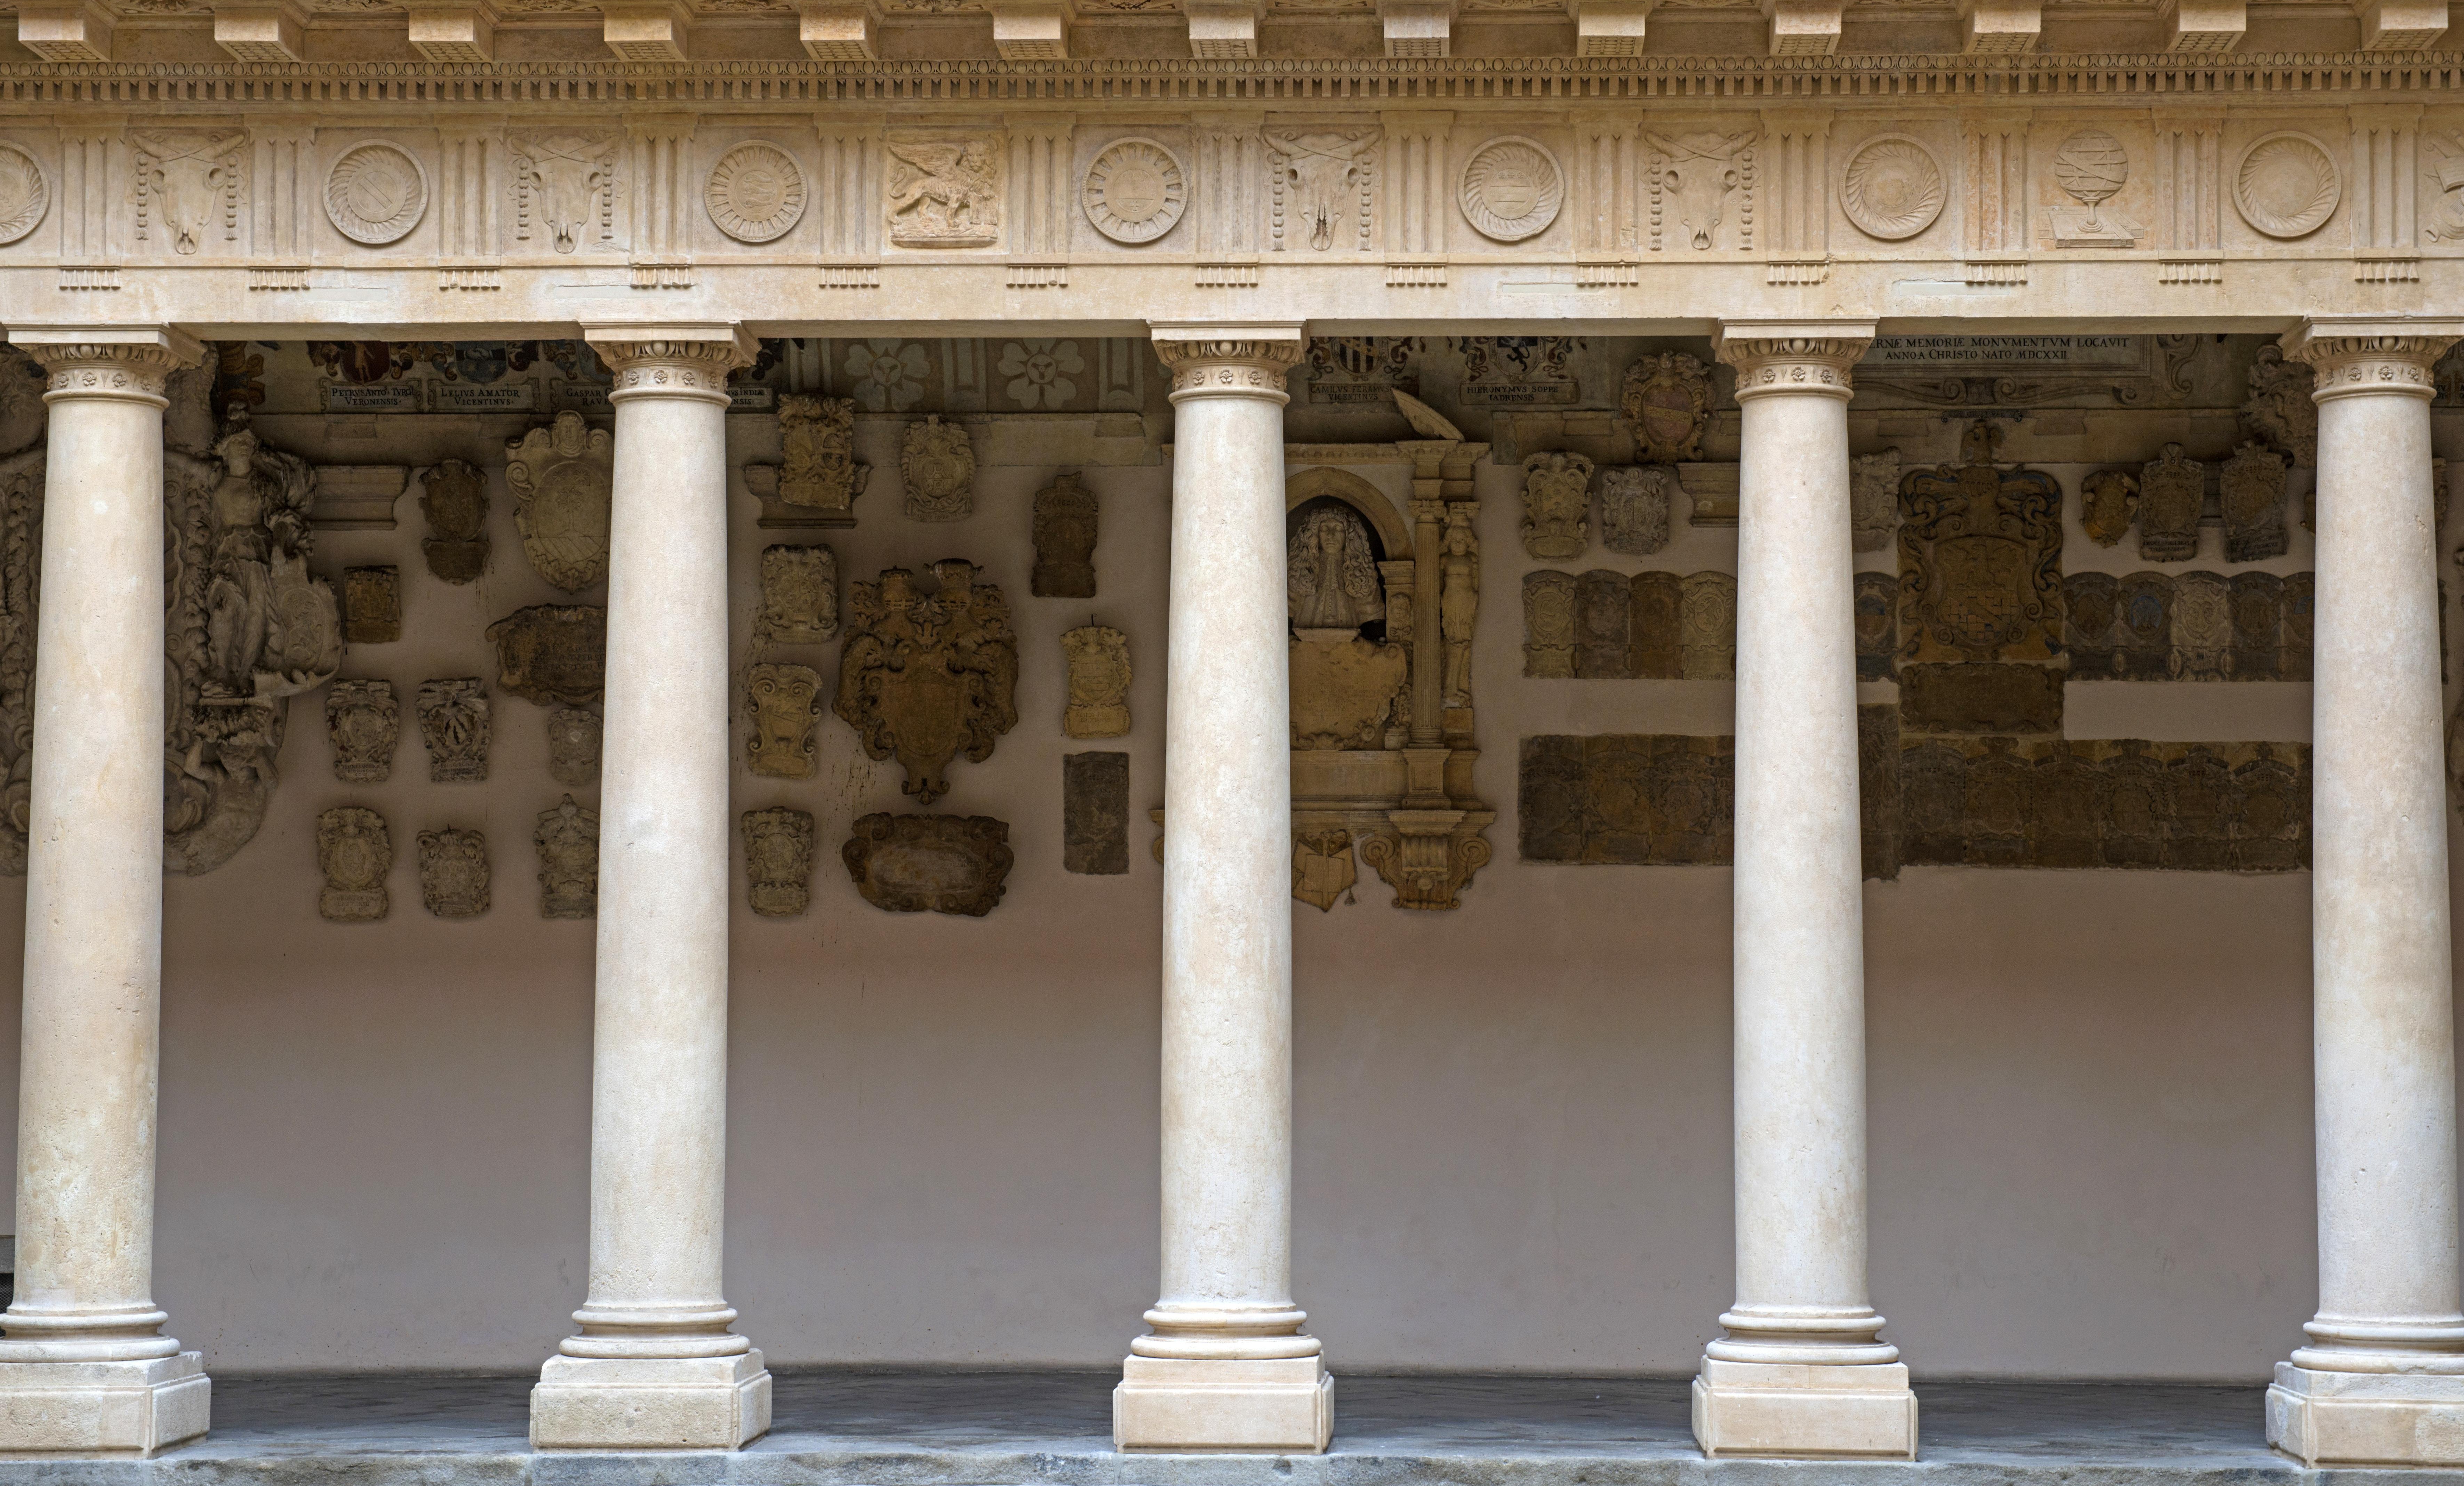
924	675
563	479
1668	398
1980	560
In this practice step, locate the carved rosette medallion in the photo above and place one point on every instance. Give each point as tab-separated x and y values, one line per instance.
25	193
568	838
1512	188
453	873
756	192
936	462
1791	360
778	861
375	193
1136	192
2286	186
1891	188
1229	368
923	676
354	851
1668	398
562	477
783	702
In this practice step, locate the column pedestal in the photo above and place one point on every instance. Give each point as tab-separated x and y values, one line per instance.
1780	1409
660	1403
1272	1406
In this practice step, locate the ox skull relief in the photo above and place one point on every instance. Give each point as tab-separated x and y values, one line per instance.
1691	178
187	182
564	189
1321	185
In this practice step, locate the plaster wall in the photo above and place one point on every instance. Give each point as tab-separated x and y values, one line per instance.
2090	1098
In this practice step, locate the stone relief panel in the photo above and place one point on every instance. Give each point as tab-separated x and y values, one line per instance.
2108	505
371	605
376	192
1650	626
2188	626
778	861
1345	687
1620	797
1891	188
2203	630
819	480
1135	191
1556	499
2172	490
1098	659
574	735
453	499
1667	399
755	193
1551	616
1878	627
1322	188
453	873
2251	494
453	718
25	194
562	477
1634	508
1603	623
552	654
784	703
1095	814
1708	620
1701	191
190	186
943	191
923	676
568	838
564	189
354	851
1969	696
2090	167
1064	526
937	464
799	597
1873	500
1655	626
937	863
2279	412
363	722
1512	188
1980	560
2286	185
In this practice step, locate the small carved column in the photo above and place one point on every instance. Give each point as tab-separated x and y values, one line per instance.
1802	1370
2382	1381
1227	1367
83	1369
654	1364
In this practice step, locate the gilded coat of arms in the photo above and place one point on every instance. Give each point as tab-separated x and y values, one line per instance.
924	675
564	480
1980	560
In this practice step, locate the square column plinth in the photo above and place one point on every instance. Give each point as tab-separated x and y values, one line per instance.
665	1402
1274	1406
1774	1409
102	1407
2367	1418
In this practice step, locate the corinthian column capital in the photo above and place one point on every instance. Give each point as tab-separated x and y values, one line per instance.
677	359
2356	354
1236	359
1792	356
107	361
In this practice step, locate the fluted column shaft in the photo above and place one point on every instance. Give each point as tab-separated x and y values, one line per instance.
1227	1367
93	917
1799	953
657	1314
2382	1377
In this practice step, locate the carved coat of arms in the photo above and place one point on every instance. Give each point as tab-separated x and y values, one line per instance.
1556	498
778	861
2250	493
1980	560
354	851
2172	489
568	838
820	478
1634	508
782	702
1873	499
454	499
938	465
923	676
453	873
563	481
1668	398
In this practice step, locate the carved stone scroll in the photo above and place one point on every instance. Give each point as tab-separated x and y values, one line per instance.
784	703
363	722
371	605
799	597
938	863
454	499
2251	497
354	851
562	477
1095	814
1634	508
568	838
1556	498
923	676
453	718
938	465
778	861
551	652
1064	531
1099	683
573	739
453	873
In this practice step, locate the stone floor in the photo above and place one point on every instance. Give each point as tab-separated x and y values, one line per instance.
991	1428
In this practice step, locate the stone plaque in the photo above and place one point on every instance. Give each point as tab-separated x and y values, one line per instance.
937	464
1878	788
1552	608
2202	628
1601	636
453	718
1707	616
574	735
354	851
799	597
551	652
562	477
778	861
2091	603
2144	633
371	605
924	676
2258	601
941	863
1634	508
1323	870
453	873
2172	491
1065	527
1655	626
1095	814
1878	627
454	497
1627	799
1098	657
782	702
568	838
2251	497
362	721
1977	697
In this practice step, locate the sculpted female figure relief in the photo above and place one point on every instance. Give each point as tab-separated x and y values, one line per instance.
1334	576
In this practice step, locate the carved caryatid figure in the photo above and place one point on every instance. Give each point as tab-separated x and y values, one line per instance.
923	676
1332	576
270	629
563	479
1459	601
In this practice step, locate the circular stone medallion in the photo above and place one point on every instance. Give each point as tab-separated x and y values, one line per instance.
1891	188
375	193
2091	165
1511	189
756	193
2287	185
1136	192
24	195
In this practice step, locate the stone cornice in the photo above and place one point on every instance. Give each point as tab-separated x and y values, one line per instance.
2352	355
108	361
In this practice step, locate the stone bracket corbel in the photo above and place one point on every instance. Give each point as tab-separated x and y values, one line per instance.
1224	29
1609	27
2204	25
458	32
2401	24
65	32
2000	28
261	32
836	31
1032	30
1803	28
644	32
1418	28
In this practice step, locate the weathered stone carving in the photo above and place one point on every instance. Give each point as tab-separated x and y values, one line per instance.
2258	625
2251	497
1879	809
1511	189
1344	691
924	676
573	738
1458	603
2143	627
1655	626
1323	184
1331	573
1552	612
1634	508
562	477
799	597
1980	697
2172	491
2278	410
1980	560
25	193
551	652
1694	174
756	192
784	703
1556	498
1668	398
564	188
453	879
1095	814
1323	874
371	605
1064	529
2090	166
1873	500
1891	188
453	717
944	192
1618	798
1878	627
2299	606
2287	185
778	861
2091	603
819	480
1135	191
1099	682
1708	620
2108	505
1603	625
375	193
363	722
943	864
567	838
185	179
454	499
2203	630
355	851
938	465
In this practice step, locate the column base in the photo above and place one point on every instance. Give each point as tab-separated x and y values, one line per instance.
1808	1411
663	1403
2367	1418
102	1407
1276	1406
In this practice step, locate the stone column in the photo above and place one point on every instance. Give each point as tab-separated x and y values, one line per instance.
1227	1367
2382	1381
1802	1369
655	1364
84	1370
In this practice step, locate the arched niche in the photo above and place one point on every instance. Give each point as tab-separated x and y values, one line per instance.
1393	533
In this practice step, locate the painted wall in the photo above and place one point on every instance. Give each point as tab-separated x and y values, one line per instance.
2090	1099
